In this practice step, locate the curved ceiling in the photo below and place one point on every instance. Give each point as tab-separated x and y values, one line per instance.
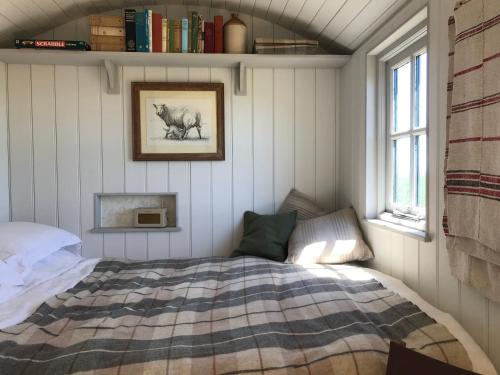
340	25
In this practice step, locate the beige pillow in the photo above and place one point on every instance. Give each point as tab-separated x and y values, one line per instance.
305	206
333	238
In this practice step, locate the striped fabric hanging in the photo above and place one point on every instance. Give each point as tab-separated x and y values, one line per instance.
471	220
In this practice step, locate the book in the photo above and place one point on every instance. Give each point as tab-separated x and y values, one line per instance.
184	28
201	34
164	35
146	31
157	32
110	21
107	30
106	39
273	41
218	34
194	32
177	36
140	32
77	45
209	37
171	36
190	35
130	42
113	47
150	29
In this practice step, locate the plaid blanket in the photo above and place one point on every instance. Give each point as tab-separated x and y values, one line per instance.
222	316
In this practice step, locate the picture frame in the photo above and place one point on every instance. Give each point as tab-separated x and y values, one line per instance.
177	121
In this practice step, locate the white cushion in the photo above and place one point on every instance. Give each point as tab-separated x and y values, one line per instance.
333	238
43	270
23	244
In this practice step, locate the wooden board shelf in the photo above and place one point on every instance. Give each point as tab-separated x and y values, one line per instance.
97	58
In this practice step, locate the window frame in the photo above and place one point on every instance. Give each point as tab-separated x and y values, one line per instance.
398	55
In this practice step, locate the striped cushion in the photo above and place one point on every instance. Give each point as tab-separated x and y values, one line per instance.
333	238
305	206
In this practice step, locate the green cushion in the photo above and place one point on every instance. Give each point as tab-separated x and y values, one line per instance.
266	236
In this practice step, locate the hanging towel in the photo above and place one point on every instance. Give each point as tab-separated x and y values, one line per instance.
471	220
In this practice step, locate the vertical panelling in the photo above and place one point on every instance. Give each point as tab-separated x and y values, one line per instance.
89	111
494	333
113	163
474	315
157	180
263	134
284	134
201	186
44	144
222	175
305	131
21	143
397	255
68	154
180	182
428	272
325	137
411	262
4	147
136	244
242	156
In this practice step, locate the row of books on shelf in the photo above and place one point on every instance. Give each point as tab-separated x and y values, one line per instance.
147	31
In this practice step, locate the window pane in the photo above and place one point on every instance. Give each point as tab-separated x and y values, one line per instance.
421	168
402	97
421	90
401	170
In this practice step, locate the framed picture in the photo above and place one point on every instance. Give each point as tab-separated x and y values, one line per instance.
178	121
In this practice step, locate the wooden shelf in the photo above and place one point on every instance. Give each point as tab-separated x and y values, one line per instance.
96	58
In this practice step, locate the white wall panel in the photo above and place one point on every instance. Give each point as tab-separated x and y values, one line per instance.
263	134
284	134
305	131
4	147
201	191
21	143
44	144
89	117
113	162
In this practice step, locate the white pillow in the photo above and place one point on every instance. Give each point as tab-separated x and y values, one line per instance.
43	270
23	244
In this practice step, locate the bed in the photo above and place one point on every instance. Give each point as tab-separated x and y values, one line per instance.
224	316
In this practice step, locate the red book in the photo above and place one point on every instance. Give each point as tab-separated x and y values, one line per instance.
157	32
219	34
209	37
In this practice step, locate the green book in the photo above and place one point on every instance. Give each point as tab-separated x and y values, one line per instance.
194	32
171	38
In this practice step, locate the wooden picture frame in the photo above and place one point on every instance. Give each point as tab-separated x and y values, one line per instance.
177	121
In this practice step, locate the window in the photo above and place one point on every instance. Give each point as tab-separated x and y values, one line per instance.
406	136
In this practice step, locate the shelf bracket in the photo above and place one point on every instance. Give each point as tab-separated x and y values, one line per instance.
241	82
113	77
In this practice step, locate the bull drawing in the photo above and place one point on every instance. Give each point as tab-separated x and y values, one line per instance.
179	120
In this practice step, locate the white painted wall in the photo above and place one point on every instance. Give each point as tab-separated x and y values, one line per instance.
69	139
4	147
423	266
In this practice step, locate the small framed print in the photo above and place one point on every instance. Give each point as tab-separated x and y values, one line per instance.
177	121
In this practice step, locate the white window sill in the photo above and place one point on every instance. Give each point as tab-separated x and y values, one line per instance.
401	229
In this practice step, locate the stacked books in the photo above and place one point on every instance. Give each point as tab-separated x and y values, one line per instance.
107	33
285	46
147	31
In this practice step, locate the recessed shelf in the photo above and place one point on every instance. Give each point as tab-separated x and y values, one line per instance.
97	58
114	212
